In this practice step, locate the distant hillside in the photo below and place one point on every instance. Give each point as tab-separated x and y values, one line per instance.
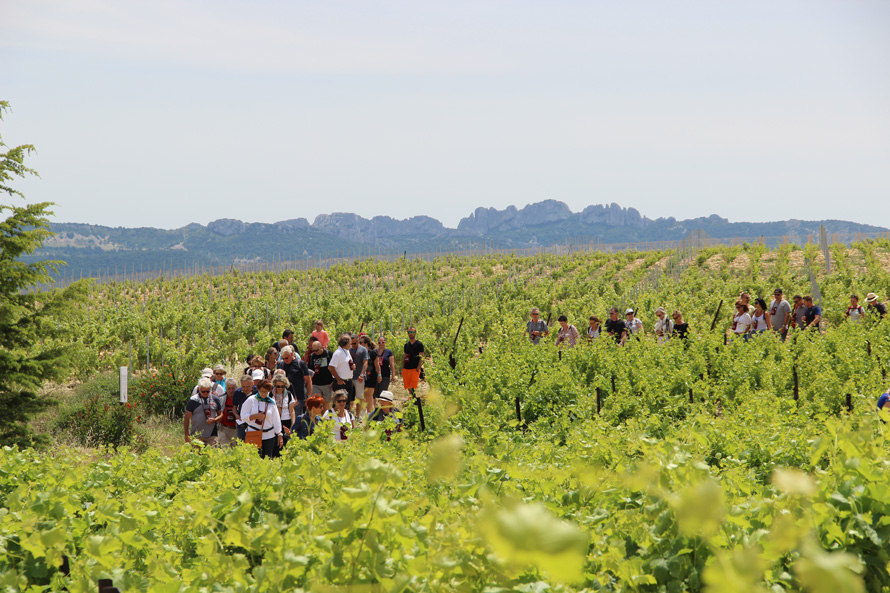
89	248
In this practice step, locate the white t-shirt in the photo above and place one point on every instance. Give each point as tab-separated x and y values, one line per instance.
633	325
759	322
283	403
340	362
741	323
346	421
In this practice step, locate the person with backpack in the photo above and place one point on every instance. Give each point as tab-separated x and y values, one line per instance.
286	403
227	430
664	327
741	321
855	312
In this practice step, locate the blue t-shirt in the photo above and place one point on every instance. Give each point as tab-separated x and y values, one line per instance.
812	312
883	400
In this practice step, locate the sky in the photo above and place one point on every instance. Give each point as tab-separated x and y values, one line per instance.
164	113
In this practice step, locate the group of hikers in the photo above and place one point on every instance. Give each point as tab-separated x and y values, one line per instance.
780	316
285	394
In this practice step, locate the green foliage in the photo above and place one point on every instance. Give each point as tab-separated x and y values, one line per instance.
162	392
26	317
100	421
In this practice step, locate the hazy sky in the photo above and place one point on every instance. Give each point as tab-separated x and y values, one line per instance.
167	112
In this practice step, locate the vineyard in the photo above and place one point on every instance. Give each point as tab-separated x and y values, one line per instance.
693	465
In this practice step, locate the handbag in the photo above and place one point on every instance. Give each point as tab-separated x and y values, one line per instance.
254	437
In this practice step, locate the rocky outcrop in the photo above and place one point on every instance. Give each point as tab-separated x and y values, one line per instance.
612	215
293	224
487	220
226	227
353	226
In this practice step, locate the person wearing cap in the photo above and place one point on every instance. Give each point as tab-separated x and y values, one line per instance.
305	423
412	361
664	327
238	398
217	387
855	312
871	299
261	414
202	411
634	325
615	327
884	402
536	328
343	419
780	314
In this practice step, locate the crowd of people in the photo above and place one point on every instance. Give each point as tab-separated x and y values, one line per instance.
749	319
283	394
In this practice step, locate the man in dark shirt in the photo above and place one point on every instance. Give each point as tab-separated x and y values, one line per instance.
298	374
871	299
412	362
616	327
814	314
319	360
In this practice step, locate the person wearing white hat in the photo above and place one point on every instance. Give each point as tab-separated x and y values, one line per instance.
217	389
664	327
634	325
871	299
385	411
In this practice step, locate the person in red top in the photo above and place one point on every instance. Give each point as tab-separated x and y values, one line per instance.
319	333
227	430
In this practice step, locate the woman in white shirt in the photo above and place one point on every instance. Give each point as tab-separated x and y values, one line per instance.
343	418
284	401
760	321
262	416
741	322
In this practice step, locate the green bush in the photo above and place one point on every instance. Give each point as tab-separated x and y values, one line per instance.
98	421
162	393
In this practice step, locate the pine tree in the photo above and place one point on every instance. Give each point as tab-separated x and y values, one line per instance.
27	317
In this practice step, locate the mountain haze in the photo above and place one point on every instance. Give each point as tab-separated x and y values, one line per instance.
88	248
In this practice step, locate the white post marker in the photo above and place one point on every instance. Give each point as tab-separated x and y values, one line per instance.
124	385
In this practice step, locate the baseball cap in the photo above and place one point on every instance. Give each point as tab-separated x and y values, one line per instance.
385	396
629	311
257	375
660	310
778	291
207	372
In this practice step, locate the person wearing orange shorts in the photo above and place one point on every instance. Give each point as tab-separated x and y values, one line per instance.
412	362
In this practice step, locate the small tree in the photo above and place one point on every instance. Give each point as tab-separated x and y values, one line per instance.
26	316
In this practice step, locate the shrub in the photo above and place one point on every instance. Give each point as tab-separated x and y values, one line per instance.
161	393
97	422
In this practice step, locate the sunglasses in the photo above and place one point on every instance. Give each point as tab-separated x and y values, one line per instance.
411	333
340	401
203	391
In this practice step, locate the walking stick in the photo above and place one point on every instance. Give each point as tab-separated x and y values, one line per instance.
451	359
716	315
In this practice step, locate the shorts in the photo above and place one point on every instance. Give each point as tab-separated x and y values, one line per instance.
410	377
324	391
227	436
358	387
382	386
370	383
